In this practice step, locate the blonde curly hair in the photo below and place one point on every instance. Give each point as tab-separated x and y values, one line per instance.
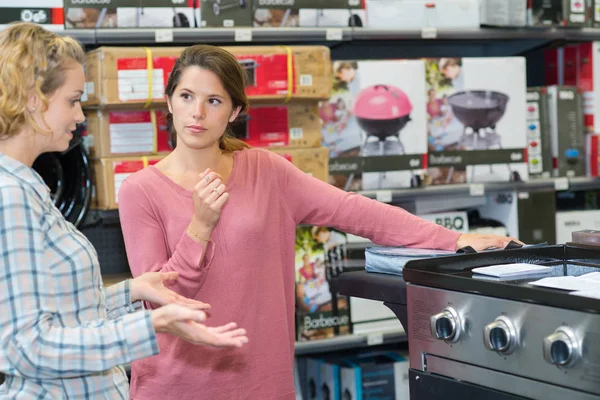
31	59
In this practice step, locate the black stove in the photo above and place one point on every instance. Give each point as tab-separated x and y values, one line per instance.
479	338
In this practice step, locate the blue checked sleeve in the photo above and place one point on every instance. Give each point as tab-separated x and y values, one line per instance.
34	342
118	300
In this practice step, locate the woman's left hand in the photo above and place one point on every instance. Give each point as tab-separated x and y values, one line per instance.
481	242
151	287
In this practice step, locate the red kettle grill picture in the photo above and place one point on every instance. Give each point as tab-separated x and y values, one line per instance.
382	111
479	111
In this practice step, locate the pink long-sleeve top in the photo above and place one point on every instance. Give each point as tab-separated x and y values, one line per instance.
247	274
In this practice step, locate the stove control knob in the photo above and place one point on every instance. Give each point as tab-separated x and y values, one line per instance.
562	347
500	336
446	325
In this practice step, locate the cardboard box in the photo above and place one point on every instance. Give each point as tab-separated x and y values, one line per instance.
476	125
503	12
308	13
417	14
313	161
321	312
119	75
558	13
539	148
226	13
567	132
374	124
109	173
568	222
47	13
126	133
108	14
295	125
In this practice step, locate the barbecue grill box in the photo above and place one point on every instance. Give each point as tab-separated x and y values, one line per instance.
476	110
308	13
374	124
226	13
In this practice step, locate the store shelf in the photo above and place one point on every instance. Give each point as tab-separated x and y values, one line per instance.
558	184
241	35
350	342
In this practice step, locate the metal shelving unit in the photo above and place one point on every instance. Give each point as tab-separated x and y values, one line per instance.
355	341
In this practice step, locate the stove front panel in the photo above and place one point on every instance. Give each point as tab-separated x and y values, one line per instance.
560	347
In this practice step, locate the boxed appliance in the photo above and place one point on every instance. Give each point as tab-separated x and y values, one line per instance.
322	379
47	13
109	174
416	14
321	312
308	13
374	124
503	12
127	133
539	148
566	130
568	222
120	75
226	13
476	125
593	155
99	14
311	160
595	19
558	13
375	375
296	125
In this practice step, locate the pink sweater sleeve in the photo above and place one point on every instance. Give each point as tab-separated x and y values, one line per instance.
146	244
312	201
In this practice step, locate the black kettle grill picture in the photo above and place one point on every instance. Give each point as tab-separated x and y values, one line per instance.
221	5
479	111
382	111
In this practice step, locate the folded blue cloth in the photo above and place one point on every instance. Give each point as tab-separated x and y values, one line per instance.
391	260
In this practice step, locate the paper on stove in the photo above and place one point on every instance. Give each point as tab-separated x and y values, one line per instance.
570	283
594	294
512	270
391	260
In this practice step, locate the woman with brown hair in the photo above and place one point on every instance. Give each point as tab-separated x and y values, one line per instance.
224	217
62	335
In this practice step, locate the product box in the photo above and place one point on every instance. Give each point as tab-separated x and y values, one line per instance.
321	312
127	133
568	222
375	376
595	20
308	13
593	154
554	62
47	13
322	379
295	125
417	14
476	125
109	174
374	124
120	75
503	12
101	14
226	13
566	130
311	160
539	148
558	13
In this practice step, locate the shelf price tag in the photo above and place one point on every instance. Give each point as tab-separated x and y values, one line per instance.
243	35
561	184
428	33
374	339
384	196
477	189
334	34
163	35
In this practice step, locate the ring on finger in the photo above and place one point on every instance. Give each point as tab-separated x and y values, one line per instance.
207	179
215	190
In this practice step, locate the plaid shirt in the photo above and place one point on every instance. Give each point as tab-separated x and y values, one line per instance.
62	336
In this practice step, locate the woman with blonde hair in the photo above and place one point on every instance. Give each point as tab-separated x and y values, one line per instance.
62	335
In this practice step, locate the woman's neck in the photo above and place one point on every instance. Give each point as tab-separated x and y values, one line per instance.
186	161
20	147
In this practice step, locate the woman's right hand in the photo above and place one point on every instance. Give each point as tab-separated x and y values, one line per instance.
186	323
209	198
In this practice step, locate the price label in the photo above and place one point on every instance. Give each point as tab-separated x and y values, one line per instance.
477	189
384	196
523	195
163	35
561	184
429	33
334	34
374	339
243	35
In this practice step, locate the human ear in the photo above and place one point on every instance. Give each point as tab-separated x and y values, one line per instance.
235	113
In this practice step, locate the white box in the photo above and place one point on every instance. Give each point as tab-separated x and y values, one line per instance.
504	12
416	14
568	222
